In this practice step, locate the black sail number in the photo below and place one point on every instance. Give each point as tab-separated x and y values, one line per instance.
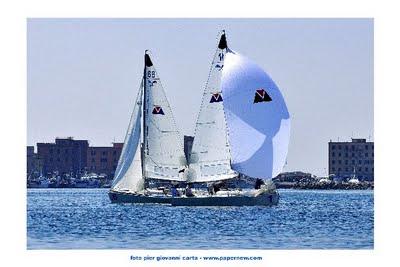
151	74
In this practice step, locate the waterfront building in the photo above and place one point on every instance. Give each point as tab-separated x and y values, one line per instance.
66	155
348	157
34	163
103	159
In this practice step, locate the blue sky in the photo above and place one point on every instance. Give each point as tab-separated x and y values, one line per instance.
83	75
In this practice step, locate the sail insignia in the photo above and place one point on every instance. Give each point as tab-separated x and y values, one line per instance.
261	96
216	97
158	110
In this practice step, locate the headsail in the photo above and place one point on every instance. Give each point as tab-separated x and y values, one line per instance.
210	156
257	118
128	175
164	157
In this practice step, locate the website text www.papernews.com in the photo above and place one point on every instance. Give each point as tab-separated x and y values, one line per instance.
195	258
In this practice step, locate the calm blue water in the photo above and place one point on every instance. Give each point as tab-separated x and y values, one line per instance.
85	218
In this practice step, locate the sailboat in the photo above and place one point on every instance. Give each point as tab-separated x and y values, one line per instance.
153	147
242	128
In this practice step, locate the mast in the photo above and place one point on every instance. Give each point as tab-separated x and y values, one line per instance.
144	147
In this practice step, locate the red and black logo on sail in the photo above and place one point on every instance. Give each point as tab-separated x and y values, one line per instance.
217	97
261	96
158	110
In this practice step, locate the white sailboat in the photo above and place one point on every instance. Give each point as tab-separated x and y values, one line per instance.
243	127
153	147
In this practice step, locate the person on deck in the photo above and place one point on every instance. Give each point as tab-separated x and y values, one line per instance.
174	191
188	191
258	183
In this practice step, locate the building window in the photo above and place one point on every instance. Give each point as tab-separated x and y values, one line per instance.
340	154
104	153
333	162
352	147
346	162
93	160
103	160
366	169
339	161
353	162
359	161
333	154
346	155
366	154
66	151
372	154
366	161
333	147
51	151
340	147
333	169
359	169
114	152
352	154
93	152
347	169
58	151
340	169
366	147
51	159
58	160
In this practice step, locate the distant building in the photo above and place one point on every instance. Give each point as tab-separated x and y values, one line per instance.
33	161
30	154
187	145
66	155
104	159
347	157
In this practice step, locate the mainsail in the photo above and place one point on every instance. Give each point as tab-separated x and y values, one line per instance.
210	155
128	175
257	118
164	156
160	154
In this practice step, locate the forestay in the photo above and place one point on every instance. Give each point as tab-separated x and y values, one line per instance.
257	118
210	156
163	146
128	175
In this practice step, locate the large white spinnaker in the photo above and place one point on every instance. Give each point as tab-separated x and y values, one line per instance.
128	175
210	156
257	118
164	156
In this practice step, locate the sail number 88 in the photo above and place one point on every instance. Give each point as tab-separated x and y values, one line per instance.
151	74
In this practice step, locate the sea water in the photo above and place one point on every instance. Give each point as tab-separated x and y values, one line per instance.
303	219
